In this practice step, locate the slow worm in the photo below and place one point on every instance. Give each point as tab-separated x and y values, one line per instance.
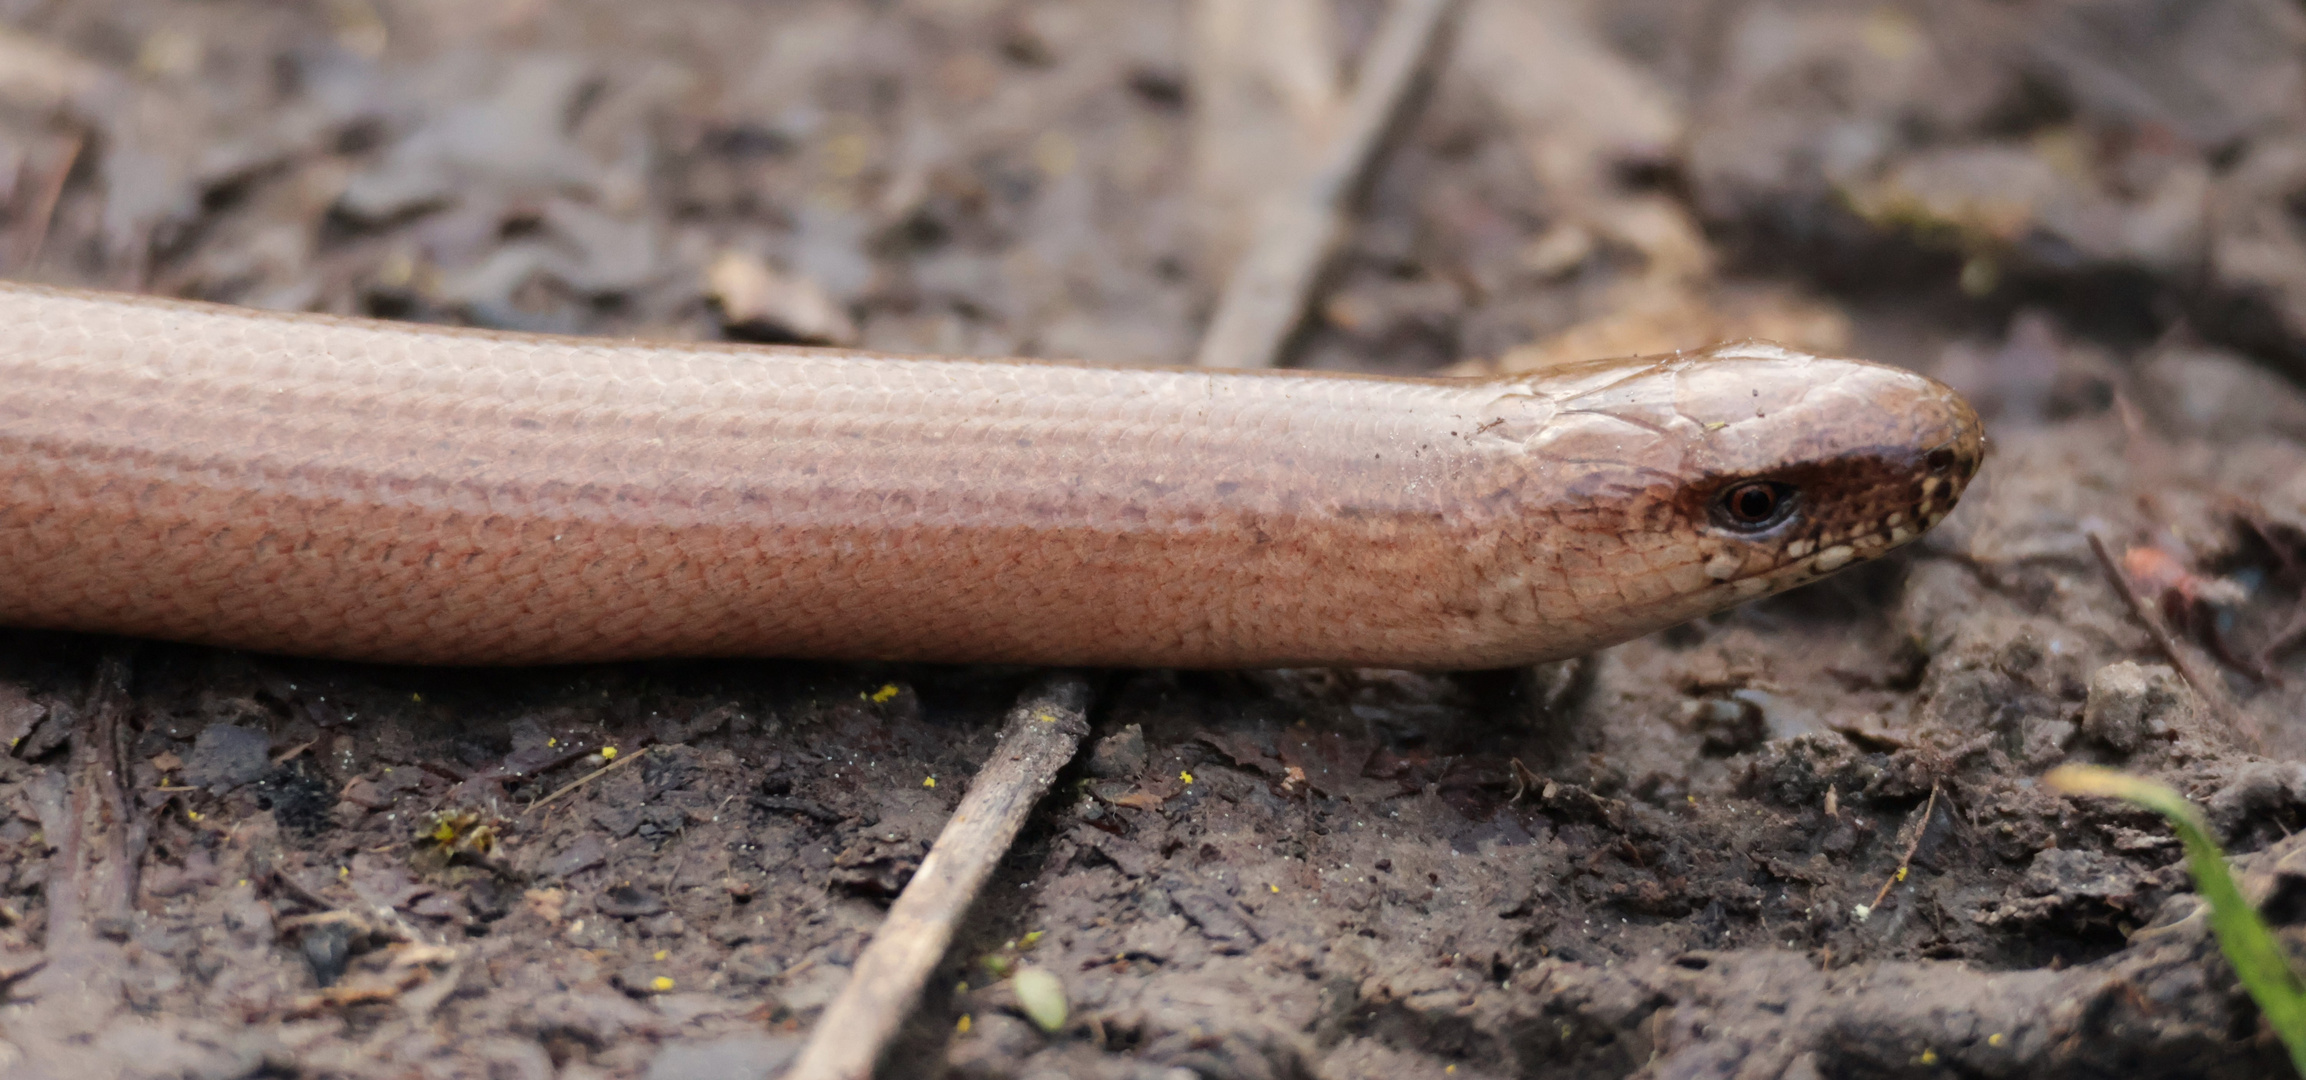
352	488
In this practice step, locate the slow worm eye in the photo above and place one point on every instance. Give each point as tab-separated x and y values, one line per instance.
1754	505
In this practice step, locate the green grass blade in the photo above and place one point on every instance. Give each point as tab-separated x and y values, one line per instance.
2242	935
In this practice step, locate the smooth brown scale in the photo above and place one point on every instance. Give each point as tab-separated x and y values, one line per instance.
353	488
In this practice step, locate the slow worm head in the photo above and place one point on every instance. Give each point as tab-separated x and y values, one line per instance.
352	488
1708	479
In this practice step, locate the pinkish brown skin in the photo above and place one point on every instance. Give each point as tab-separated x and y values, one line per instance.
319	486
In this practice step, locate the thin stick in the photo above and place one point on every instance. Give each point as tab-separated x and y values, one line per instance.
99	841
1906	861
2205	683
40	216
1042	733
586	779
1274	281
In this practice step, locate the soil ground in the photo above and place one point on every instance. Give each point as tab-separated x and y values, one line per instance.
1801	839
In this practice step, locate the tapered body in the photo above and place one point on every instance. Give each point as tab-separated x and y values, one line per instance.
393	492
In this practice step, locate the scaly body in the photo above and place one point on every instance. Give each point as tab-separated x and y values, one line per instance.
393	492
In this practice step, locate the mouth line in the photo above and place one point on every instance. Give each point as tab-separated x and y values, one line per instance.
1830	547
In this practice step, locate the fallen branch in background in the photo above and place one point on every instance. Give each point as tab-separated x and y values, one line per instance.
2205	682
1042	733
1273	284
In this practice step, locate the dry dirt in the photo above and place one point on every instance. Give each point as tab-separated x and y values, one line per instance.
1801	839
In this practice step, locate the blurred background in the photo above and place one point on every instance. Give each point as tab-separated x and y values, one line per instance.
1077	177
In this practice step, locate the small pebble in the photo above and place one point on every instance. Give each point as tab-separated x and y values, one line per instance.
2130	703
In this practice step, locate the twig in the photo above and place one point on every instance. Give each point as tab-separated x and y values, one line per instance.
40	213
1523	779
2205	683
98	842
2291	634
299	891
1042	733
1274	281
130	830
586	779
1906	861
